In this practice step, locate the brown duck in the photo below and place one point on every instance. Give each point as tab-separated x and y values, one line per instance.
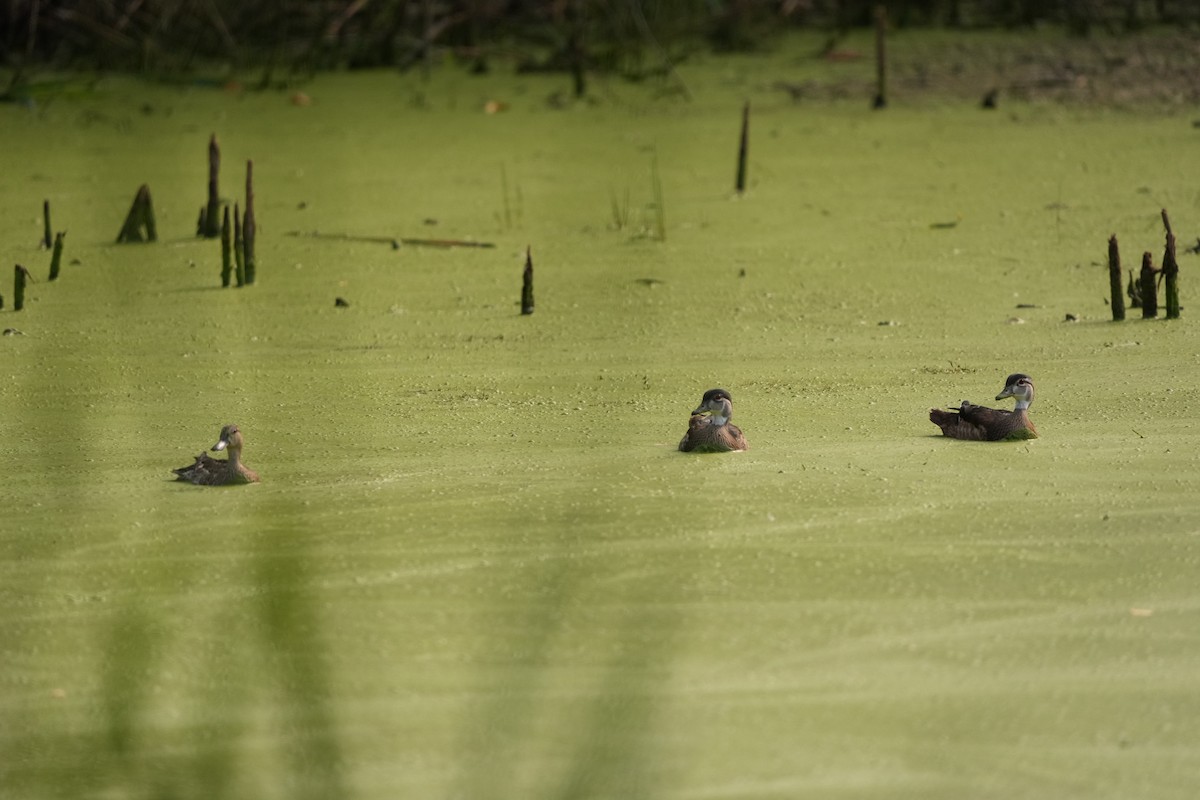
710	430
982	424
208	471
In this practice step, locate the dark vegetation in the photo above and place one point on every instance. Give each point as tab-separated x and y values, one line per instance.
634	38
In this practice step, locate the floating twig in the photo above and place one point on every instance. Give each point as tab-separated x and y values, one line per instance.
391	240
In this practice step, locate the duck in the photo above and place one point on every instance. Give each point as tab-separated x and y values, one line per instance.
709	429
208	471
982	424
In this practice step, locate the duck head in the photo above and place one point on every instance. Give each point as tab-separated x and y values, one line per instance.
1020	386
231	437
717	404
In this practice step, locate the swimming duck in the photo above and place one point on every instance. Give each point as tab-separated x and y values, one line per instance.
709	429
982	424
208	471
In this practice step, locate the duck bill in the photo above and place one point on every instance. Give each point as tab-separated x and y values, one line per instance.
219	446
1008	392
702	410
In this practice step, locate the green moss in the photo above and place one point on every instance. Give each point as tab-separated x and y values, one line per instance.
477	565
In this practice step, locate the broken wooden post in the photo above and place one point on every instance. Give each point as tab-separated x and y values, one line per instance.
248	227
239	253
139	219
212	212
1114	279
20	276
1148	287
56	256
743	147
880	57
226	250
47	242
1170	270
527	284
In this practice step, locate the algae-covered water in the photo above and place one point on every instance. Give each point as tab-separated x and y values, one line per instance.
476	566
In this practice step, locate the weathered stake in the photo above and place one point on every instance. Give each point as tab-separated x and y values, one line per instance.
1114	279
46	240
239	253
527	284
140	219
226	250
1170	270
743	148
249	229
880	57
56	256
1148	287
212	218
20	276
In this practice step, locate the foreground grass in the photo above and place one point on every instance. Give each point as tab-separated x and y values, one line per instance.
476	566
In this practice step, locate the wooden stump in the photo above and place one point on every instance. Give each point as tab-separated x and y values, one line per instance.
1149	287
527	285
743	149
212	212
56	257
139	222
1170	271
1114	280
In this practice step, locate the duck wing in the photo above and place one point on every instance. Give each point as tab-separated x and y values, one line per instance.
205	469
972	422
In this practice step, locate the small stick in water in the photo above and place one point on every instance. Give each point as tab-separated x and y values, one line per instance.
393	241
239	252
226	250
743	147
248	227
880	57
20	276
56	257
212	225
1114	279
527	284
47	243
1149	289
140	219
1170	270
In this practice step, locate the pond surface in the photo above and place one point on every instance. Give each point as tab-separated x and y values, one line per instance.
477	566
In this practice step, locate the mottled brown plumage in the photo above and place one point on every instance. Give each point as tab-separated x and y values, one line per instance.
709	429
982	424
208	471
